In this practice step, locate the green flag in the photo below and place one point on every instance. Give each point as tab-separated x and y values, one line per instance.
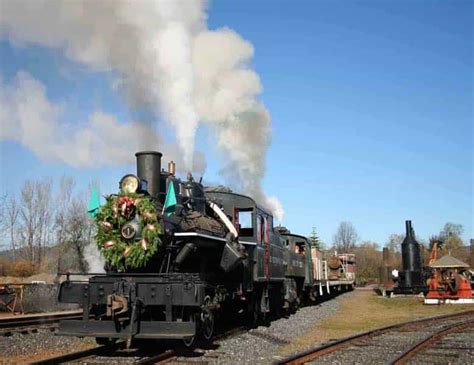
170	201
94	203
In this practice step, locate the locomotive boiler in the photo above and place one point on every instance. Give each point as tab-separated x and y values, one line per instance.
178	255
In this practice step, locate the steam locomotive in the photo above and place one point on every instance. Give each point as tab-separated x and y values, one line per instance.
219	253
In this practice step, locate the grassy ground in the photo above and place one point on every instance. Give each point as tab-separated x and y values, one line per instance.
363	310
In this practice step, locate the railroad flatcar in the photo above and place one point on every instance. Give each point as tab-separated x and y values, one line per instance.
178	255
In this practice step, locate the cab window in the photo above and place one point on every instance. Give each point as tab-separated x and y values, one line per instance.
244	220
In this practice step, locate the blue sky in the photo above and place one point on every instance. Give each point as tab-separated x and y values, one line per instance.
371	105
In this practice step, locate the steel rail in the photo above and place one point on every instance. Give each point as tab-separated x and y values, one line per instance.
173	354
25	323
315	352
80	355
428	340
148	359
21	319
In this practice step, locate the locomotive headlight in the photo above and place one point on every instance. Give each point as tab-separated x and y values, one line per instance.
129	184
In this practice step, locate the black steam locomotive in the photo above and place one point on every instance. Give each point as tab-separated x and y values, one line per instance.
219	253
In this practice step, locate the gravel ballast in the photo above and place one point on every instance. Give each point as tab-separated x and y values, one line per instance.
36	343
260	345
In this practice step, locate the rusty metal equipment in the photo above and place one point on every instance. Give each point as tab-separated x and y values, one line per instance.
449	282
11	297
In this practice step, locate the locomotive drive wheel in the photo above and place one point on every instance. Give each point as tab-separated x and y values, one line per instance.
207	319
188	342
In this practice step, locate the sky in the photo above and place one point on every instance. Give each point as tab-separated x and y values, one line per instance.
371	106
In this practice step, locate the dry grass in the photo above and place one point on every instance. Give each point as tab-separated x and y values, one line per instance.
48	278
364	310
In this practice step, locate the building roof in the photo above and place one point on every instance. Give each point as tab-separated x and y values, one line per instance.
448	261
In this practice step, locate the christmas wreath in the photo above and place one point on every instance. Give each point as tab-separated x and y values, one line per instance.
122	253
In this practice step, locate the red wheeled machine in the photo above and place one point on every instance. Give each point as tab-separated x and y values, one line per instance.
449	282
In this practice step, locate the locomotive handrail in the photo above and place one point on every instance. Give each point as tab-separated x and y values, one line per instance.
120	274
223	218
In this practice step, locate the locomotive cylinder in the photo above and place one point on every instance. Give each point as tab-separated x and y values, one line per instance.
149	169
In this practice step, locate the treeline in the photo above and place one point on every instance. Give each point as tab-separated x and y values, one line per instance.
369	253
45	228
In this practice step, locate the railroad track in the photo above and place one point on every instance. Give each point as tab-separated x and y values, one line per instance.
32	323
145	355
111	354
445	337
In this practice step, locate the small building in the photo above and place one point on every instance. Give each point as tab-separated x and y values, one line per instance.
449	262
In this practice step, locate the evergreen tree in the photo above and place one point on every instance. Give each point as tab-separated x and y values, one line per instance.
314	239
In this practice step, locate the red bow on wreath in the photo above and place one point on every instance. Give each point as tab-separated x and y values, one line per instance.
127	206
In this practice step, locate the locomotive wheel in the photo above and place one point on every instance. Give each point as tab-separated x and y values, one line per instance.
208	327
188	342
207	318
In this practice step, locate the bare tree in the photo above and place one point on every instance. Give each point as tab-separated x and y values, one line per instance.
78	229
3	213
394	245
29	219
3	201
11	222
452	229
345	238
35	212
63	205
452	241
44	206
394	242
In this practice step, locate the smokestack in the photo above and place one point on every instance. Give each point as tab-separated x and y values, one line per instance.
408	229
385	256
411	275
148	169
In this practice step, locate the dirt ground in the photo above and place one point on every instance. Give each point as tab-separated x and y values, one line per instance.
364	310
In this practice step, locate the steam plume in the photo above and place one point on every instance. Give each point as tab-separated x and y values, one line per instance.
165	58
95	261
27	116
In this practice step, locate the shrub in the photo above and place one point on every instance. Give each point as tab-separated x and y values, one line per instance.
23	268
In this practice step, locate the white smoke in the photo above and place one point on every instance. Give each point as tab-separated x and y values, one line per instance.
94	259
27	116
166	59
